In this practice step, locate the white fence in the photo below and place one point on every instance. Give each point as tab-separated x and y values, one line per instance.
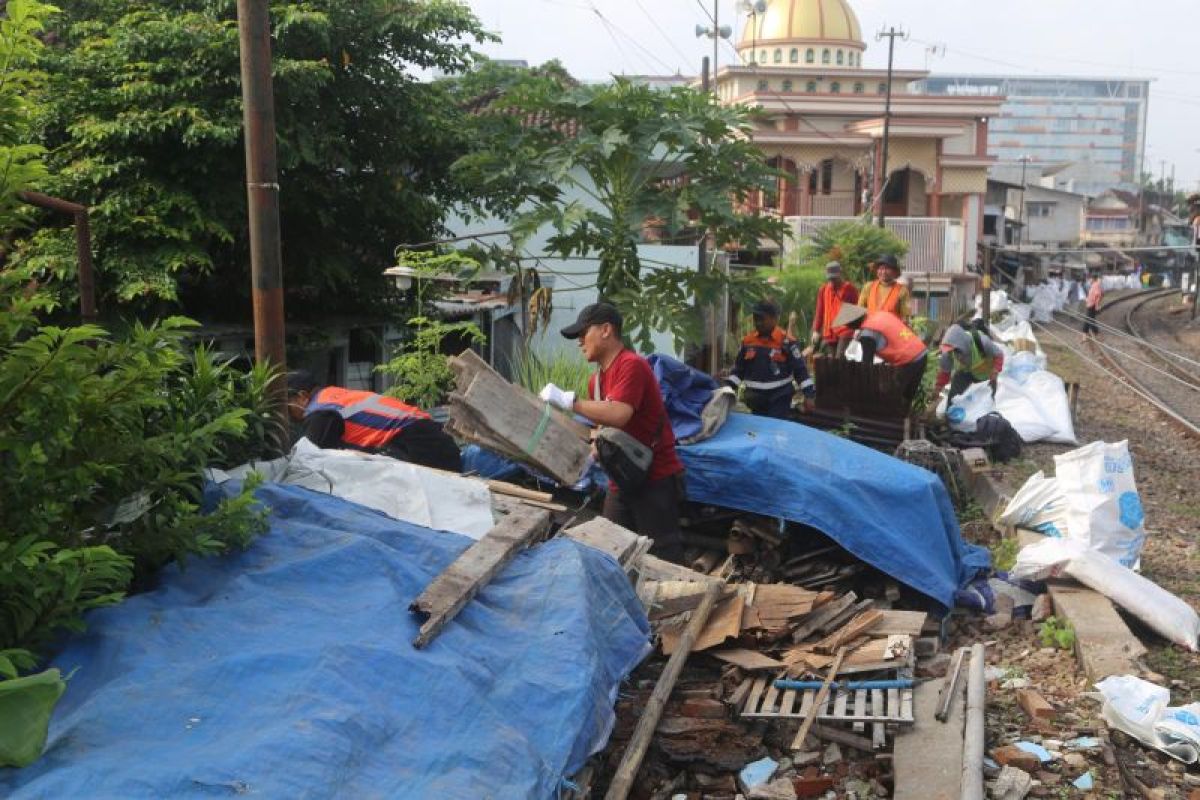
934	244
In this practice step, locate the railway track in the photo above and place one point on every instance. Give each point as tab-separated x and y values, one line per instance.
1160	376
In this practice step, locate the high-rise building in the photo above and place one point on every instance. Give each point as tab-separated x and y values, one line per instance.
1090	132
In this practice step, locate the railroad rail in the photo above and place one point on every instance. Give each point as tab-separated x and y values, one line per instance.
1172	390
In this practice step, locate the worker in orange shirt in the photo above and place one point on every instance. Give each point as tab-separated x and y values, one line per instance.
883	334
828	338
886	293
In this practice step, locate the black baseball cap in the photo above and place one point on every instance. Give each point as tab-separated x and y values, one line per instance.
595	314
765	308
300	380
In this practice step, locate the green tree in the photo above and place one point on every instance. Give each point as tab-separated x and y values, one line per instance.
20	160
598	164
142	120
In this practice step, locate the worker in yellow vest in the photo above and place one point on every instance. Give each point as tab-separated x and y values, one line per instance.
886	293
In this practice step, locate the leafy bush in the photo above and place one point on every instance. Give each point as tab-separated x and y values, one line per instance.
854	244
1056	632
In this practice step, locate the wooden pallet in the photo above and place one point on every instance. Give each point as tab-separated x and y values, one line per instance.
880	708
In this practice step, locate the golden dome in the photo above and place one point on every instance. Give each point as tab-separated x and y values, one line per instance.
803	21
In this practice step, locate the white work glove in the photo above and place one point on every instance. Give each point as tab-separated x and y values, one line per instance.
557	397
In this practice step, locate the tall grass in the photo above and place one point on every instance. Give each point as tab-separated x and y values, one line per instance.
564	368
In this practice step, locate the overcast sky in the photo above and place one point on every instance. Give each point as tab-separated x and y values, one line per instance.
1117	38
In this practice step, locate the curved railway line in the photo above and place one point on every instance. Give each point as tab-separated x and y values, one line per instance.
1163	377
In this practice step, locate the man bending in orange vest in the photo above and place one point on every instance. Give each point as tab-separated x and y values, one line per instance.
886	293
349	419
883	334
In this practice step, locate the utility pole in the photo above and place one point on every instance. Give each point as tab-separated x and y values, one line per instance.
891	34
1021	212
262	191
716	33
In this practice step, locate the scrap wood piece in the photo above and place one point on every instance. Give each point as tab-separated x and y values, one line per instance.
831	734
823	615
468	364
778	604
871	655
538	437
605	536
671	598
847	615
725	622
454	587
856	628
811	717
895	623
631	760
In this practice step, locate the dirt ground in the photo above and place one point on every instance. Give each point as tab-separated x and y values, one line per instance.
1167	469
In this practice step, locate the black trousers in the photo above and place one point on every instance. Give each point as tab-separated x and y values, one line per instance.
1089	325
775	403
651	511
424	442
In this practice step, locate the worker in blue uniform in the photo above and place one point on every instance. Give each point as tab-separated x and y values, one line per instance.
769	366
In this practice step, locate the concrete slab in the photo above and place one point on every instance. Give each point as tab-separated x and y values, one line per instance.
928	757
1104	645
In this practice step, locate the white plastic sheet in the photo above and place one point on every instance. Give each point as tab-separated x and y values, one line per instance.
403	491
1039	505
1034	401
1162	611
1141	709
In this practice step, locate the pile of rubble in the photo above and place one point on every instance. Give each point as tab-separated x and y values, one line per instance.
789	691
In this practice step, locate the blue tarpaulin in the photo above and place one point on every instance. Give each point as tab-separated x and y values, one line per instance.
685	392
894	516
288	671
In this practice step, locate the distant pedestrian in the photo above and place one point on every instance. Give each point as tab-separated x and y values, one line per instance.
1095	297
828	338
769	365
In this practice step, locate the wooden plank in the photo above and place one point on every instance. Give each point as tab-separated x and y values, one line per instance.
760	685
857	627
540	435
468	364
605	536
850	613
740	693
806	703
839	704
811	717
749	660
788	704
906	705
900	623
822	615
769	706
860	708
878	735
877	710
631	760
451	590
893	703
928	756
831	734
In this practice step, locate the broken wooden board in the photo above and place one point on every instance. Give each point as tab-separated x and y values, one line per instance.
779	604
749	660
451	590
539	437
607	537
928	757
906	623
724	623
857	627
823	615
468	364
871	655
665	599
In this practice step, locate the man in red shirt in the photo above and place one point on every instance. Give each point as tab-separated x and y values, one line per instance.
828	338
628	397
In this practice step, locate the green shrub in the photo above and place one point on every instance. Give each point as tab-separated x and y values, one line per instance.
854	244
566	369
1056	632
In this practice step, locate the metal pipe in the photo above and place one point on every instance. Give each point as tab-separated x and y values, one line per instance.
950	687
262	190
897	683
83	246
973	742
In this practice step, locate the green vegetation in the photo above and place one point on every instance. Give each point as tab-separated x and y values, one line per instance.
625	148
1055	632
566	369
141	118
1004	554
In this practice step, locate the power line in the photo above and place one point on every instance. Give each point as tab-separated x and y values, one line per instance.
614	27
663	33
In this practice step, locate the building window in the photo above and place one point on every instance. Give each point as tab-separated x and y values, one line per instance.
827	176
1042	209
794	56
882	88
787	86
835	87
825	56
762	57
858	88
841	58
778	55
763	86
811	87
810	56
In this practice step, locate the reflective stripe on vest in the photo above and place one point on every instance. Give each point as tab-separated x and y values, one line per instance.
903	345
372	420
981	365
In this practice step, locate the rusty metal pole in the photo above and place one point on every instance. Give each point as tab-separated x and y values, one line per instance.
262	189
83	246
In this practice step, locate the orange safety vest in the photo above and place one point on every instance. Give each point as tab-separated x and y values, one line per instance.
372	420
829	303
903	346
890	303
